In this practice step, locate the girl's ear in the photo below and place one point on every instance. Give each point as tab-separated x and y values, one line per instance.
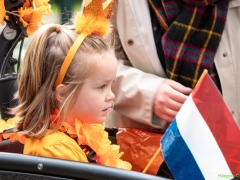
60	94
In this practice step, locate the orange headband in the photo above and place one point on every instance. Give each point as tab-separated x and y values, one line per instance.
67	61
95	18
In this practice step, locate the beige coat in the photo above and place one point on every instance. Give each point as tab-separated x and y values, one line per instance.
140	75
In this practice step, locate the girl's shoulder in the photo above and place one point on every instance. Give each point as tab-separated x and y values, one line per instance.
55	145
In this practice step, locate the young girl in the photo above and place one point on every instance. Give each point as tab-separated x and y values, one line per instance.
65	94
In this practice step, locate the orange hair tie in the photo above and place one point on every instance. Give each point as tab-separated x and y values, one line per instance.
57	29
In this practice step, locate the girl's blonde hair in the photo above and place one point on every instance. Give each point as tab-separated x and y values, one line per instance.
43	59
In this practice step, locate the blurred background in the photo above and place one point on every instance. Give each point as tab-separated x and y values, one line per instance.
62	11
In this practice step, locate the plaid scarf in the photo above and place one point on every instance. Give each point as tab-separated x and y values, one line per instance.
192	32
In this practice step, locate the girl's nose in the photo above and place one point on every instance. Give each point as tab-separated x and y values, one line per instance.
111	96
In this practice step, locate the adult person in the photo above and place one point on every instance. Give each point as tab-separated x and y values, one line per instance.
163	48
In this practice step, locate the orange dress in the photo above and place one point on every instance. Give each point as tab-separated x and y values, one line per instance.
63	146
56	145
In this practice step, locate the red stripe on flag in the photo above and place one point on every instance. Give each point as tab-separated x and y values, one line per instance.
219	120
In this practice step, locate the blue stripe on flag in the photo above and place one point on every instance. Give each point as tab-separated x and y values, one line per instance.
177	154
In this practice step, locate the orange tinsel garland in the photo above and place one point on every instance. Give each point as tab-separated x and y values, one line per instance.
95	137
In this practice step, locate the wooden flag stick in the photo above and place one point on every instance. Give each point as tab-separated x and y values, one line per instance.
152	159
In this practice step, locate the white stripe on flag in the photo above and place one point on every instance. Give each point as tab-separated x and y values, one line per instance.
201	142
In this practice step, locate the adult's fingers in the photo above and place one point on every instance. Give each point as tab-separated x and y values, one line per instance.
169	99
178	92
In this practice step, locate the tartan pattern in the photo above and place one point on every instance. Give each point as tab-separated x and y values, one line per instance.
192	32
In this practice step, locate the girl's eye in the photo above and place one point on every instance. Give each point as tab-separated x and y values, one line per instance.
102	87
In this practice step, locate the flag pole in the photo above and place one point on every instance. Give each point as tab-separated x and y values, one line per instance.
152	159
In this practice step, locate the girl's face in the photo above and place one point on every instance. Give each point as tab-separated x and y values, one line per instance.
94	100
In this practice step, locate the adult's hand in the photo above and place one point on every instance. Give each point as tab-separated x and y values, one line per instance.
169	99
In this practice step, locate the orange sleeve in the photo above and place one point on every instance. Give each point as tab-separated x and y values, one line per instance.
62	151
56	145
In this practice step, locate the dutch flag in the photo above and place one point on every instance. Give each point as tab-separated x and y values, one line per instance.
203	142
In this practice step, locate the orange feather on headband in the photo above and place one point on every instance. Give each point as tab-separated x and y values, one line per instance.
94	19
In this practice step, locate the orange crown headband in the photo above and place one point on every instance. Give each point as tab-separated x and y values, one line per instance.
93	19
